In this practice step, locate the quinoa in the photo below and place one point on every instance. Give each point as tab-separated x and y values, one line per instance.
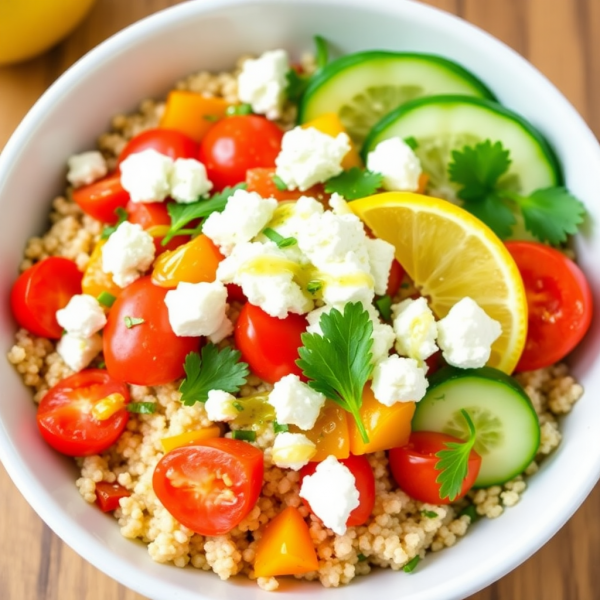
399	529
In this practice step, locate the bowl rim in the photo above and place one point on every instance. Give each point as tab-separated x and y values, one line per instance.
88	546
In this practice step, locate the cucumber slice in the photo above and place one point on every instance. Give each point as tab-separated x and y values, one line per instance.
507	426
441	124
365	86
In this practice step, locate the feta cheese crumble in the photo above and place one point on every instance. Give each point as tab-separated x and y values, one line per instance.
128	253
381	257
189	182
263	81
85	168
245	215
309	156
397	379
415	328
466	335
199	309
82	316
398	164
292	450
219	406
146	175
332	494
338	205
77	351
295	402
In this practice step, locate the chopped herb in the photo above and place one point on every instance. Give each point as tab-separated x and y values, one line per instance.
106	299
412	142
338	363
550	214
384	306
314	286
453	463
280	427
280	184
183	214
102	365
133	321
211	118
110	229
296	84
282	242
405	286
244	434
142	408
63	332
238	406
429	514
238	109
355	183
411	565
361	557
322	53
213	369
471	512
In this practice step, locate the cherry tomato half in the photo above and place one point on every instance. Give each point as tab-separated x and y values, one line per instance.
148	353
268	344
102	198
395	279
109	494
365	484
65	419
413	466
210	486
559	302
261	181
236	144
40	291
165	141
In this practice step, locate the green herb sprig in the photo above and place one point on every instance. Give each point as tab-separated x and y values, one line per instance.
355	183
110	229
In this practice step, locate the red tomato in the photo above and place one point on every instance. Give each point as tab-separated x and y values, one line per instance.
109	494
165	141
152	216
40	291
64	415
413	466
235	293
190	481
395	279
365	484
148	353
236	144
559	302
102	198
260	180
268	344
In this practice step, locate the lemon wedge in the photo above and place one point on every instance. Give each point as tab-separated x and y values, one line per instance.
449	254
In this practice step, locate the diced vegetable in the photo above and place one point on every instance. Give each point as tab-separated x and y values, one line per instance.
95	280
189	437
109	494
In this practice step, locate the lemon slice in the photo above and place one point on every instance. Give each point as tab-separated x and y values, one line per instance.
449	254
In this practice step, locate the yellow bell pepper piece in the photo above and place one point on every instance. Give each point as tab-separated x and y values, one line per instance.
387	426
330	124
104	409
95	280
183	439
285	547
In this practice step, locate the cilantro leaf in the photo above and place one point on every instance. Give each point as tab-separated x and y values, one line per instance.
478	169
494	213
355	183
338	363
213	369
183	214
453	463
110	229
551	214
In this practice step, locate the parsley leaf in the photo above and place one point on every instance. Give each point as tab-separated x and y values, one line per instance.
453	463
110	229
213	369
355	183
551	214
183	214
338	363
384	306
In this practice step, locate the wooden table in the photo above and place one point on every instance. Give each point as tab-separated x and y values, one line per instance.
562	39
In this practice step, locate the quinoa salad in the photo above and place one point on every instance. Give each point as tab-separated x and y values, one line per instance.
264	299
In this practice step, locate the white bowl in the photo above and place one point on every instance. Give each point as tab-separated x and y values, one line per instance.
144	60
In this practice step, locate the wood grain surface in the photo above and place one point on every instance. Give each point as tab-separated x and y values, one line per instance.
562	39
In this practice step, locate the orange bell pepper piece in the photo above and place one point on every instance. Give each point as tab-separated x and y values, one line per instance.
192	113
260	180
95	280
330	433
387	426
330	124
193	262
285	547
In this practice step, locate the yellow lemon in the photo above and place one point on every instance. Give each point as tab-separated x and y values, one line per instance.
31	26
449	254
